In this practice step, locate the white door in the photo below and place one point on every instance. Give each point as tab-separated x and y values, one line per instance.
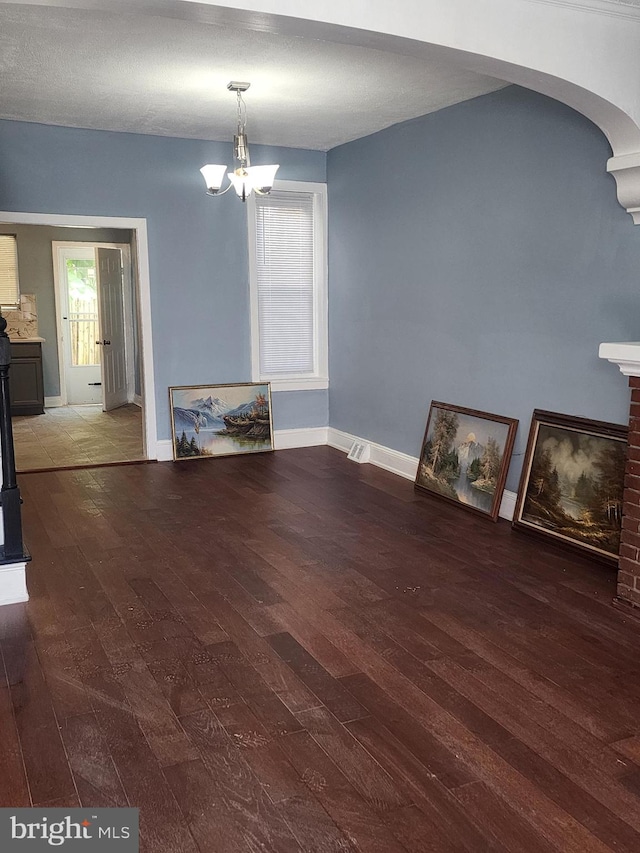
80	326
112	338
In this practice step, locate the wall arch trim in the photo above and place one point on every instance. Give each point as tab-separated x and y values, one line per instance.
626	171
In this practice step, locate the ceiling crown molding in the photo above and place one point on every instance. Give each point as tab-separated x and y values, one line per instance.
626	171
629	9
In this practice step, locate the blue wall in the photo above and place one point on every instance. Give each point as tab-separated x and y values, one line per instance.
197	245
478	256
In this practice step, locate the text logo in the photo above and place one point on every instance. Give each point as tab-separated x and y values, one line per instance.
36	829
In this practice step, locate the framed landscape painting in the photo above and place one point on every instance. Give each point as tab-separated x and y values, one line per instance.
220	420
572	483
465	456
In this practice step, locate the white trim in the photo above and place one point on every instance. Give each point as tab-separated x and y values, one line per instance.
298	384
140	256
626	171
13	583
128	284
508	505
137	400
625	355
610	8
164	450
286	439
319	380
53	402
382	457
283	439
402	464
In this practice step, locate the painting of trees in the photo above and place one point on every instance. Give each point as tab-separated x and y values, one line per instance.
544	481
490	461
444	433
464	456
575	481
606	501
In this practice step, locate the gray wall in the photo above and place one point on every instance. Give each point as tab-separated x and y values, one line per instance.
197	245
478	256
35	271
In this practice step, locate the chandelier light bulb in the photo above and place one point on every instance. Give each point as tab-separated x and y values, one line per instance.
245	178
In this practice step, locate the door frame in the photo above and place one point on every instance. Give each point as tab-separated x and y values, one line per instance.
140	258
127	285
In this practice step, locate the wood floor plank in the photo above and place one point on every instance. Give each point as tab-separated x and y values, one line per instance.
162	825
328	690
313	828
448	826
366	775
439	762
44	757
14	789
238	790
94	772
327	783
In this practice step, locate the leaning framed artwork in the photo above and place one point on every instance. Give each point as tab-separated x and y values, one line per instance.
465	456
220	420
572	483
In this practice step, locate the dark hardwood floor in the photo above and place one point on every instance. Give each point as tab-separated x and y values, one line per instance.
291	652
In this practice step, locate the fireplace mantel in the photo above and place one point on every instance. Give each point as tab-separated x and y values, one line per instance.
625	355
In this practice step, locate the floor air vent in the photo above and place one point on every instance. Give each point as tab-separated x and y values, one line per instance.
359	452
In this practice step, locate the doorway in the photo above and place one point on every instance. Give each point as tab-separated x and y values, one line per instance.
97	324
138	414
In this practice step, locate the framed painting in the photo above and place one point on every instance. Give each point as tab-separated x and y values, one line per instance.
572	483
465	456
220	420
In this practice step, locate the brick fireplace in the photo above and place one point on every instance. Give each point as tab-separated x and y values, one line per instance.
627	358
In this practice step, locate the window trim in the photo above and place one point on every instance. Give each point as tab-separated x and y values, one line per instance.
320	378
13	306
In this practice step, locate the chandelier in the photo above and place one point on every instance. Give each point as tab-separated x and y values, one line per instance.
245	178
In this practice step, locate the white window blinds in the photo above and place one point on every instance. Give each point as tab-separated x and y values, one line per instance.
9	293
285	269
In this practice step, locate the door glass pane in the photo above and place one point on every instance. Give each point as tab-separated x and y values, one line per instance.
84	329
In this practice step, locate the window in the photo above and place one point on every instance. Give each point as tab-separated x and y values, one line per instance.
287	231
9	290
84	326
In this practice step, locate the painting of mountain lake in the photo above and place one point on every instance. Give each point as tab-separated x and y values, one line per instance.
220	420
465	456
572	483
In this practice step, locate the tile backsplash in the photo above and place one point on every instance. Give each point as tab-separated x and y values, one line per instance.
23	322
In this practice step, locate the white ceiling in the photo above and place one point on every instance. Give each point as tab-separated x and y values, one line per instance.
168	77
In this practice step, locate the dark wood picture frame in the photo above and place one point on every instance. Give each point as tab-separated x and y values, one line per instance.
438	477
231	431
561	496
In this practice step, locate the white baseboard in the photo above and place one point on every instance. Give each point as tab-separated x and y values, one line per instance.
53	402
508	505
402	464
137	400
284	439
383	457
13	583
164	450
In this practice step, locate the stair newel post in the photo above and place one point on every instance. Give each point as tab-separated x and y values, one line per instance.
11	515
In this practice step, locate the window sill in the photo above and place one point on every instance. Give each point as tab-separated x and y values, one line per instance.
312	384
